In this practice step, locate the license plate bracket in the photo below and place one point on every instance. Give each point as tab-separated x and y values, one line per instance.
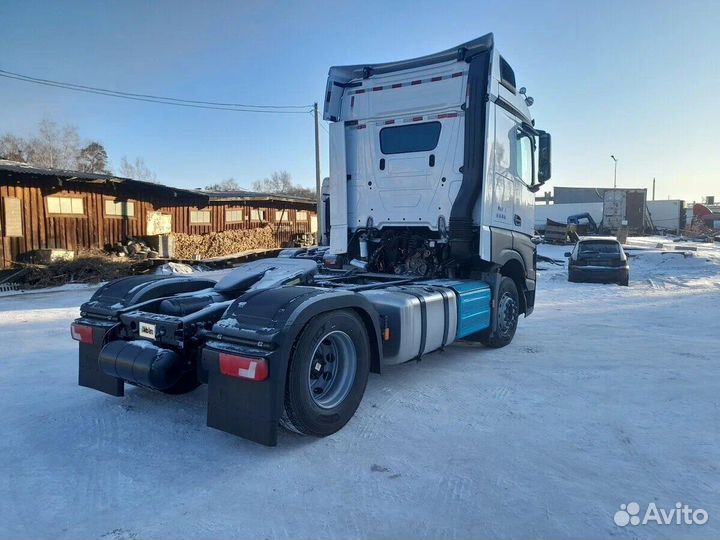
147	330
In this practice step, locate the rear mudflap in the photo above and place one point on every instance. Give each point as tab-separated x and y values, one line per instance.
89	373
249	409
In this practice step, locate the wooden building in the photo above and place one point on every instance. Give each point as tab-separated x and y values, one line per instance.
58	209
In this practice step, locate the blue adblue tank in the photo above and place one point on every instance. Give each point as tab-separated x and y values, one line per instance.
474	304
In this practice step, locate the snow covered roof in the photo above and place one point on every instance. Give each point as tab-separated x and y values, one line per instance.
243	195
58	176
188	196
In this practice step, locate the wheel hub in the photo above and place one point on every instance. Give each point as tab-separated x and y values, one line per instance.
332	369
507	314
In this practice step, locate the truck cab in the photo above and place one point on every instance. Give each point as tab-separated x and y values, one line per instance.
434	163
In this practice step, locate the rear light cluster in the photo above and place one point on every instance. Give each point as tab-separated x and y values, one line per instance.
332	261
81	333
242	367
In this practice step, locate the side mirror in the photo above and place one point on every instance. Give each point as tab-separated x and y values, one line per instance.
544	168
568	254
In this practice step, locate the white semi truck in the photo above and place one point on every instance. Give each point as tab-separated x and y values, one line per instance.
428	213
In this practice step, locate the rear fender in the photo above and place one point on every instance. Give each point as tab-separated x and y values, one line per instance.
267	323
119	294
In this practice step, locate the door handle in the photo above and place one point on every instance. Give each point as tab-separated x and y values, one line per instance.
517	220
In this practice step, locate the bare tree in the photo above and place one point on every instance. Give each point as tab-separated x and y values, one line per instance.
137	170
93	159
54	146
229	184
281	182
13	148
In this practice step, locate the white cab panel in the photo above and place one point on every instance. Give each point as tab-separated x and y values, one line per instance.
435	89
338	190
404	188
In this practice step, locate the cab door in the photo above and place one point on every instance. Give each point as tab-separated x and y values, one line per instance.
513	203
504	156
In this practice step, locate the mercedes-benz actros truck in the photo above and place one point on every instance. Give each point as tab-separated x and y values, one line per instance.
427	221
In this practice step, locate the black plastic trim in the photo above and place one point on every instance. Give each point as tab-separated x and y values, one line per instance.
461	219
509	107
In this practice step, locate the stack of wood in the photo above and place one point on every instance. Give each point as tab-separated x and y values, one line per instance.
203	246
555	232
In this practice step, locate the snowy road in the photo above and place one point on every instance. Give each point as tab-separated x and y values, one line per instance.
607	395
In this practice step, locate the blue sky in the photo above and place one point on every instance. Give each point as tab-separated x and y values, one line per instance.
636	79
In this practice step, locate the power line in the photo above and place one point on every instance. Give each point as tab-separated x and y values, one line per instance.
150	96
197	104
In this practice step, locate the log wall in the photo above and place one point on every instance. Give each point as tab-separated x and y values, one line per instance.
94	229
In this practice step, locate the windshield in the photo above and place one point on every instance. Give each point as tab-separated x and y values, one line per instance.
600	247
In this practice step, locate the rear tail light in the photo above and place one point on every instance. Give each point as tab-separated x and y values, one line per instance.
81	333
242	367
330	261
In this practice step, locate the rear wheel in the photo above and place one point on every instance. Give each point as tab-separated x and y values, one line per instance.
506	316
327	374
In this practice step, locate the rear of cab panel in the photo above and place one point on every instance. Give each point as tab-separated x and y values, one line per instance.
400	188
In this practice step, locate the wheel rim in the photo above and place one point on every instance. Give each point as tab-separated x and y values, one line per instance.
332	369
507	314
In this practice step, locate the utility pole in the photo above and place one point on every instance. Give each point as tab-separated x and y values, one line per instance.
317	158
653	188
615	177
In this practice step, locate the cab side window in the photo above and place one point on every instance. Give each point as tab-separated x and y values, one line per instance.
524	158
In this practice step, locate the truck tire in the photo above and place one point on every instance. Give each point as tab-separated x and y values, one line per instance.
507	315
327	374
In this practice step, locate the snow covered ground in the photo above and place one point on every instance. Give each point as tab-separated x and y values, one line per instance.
607	395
